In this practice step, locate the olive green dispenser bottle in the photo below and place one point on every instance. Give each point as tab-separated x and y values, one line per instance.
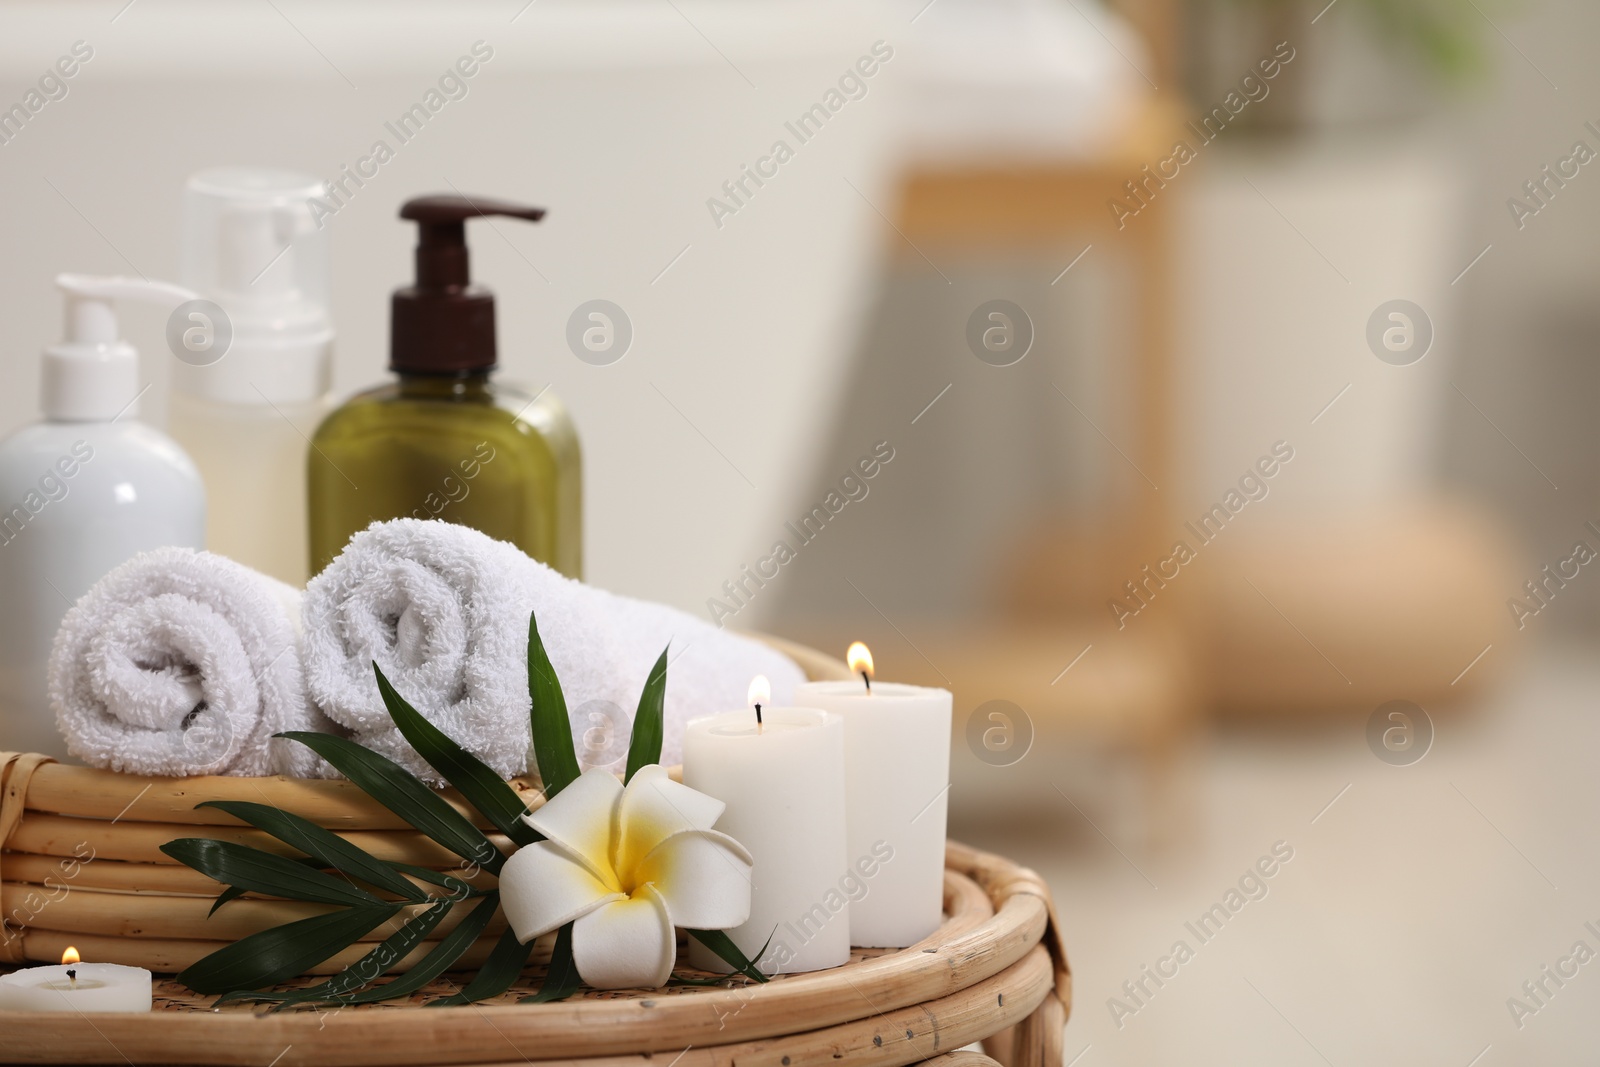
445	440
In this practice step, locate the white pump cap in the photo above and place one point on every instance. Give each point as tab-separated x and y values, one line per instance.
93	375
251	245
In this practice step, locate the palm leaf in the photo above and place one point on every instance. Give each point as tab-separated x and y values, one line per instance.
402	793
449	949
322	845
552	730
281	953
648	722
233	892
459	889
365	970
497	974
719	942
561	979
482	787
254	871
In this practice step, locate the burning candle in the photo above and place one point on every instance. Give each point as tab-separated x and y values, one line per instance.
781	773
77	986
897	783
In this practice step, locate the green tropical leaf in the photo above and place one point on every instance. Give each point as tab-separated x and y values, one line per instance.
561	980
402	793
322	845
233	892
367	969
283	952
459	889
719	942
449	949
482	787
254	871
497	974
552	731
649	721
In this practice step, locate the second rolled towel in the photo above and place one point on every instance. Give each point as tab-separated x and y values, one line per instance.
443	610
180	663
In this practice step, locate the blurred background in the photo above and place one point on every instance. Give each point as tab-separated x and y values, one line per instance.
1235	358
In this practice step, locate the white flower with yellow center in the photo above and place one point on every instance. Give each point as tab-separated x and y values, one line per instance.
628	863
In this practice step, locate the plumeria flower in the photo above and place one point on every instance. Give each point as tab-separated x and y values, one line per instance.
628	863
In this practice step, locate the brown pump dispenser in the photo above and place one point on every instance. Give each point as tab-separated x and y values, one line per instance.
444	324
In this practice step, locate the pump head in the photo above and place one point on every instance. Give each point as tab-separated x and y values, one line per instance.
93	374
443	324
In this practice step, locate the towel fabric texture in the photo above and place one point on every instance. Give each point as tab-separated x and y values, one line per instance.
443	610
180	663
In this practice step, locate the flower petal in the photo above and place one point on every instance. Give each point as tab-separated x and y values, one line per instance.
627	944
653	808
581	816
543	886
704	877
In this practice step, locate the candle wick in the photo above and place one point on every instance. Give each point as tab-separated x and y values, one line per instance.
865	677
758	715
72	976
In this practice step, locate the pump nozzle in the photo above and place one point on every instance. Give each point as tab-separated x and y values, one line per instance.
92	375
444	324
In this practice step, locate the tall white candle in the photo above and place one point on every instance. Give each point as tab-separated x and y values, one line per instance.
783	782
897	788
77	987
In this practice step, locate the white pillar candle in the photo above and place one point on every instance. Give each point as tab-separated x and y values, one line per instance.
77	987
897	788
783	782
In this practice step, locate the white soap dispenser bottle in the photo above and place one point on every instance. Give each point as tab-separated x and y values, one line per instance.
251	246
80	492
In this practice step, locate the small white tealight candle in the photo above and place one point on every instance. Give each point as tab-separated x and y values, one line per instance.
897	782
781	773
77	987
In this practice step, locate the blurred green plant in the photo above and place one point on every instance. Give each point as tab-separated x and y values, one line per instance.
1449	36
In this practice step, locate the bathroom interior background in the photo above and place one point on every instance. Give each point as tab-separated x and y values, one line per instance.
771	350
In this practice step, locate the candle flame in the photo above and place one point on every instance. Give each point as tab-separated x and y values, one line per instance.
760	692
860	659
70	956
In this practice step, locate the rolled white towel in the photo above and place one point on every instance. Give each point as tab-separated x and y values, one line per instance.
180	663
443	610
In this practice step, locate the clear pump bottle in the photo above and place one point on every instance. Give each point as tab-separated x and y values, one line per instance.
251	247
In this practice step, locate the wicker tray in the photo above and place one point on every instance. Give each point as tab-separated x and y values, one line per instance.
995	971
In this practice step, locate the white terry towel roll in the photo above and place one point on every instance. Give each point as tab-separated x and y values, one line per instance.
179	663
443	610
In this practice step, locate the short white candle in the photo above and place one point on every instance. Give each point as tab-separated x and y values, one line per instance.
77	987
783	782
897	781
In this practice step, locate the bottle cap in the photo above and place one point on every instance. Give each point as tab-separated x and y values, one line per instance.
93	374
251	245
443	324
